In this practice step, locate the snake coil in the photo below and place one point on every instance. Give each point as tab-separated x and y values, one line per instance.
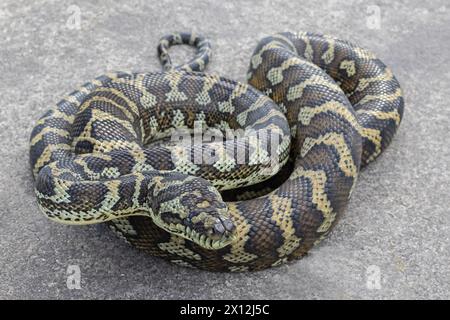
106	151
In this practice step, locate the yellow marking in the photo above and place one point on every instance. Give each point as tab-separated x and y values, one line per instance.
97	115
148	100
337	141
225	163
107	146
177	38
182	160
56	114
164	43
264	118
279	262
177	118
105	211
307	113
87	104
349	67
363	53
176	246
201	63
200	217
97	82
319	197
46	155
110	173
91	174
133	106
257	176
282	206
275	75
328	56
258	155
287	40
100	115
84	90
111	197
113	76
124	227
238	268
227	106
257	58
174	205
309	51
72	99
137	189
153	128
203	204
384	97
364	82
374	136
321	238
296	92
60	192
160	185
301	35
89	217
140	159
203	97
382	115
39	136
102	156
174	94
237	252
182	263
242	117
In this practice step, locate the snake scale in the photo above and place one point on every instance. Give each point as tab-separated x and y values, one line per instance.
106	152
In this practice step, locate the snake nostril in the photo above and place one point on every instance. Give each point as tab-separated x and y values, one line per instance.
219	228
229	226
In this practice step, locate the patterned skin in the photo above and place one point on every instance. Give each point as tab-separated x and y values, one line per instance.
92	164
332	129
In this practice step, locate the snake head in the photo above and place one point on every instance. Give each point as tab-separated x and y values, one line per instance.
192	208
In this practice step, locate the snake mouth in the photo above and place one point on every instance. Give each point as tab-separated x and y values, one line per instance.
198	238
204	241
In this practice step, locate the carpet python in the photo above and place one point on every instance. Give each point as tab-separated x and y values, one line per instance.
107	153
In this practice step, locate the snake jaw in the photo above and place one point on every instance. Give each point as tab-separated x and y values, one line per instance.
201	239
213	240
215	233
220	234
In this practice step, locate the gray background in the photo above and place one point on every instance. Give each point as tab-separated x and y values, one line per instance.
398	219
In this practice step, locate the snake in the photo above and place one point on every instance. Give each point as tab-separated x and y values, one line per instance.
123	149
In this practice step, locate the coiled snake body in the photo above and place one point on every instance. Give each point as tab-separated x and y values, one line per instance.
103	154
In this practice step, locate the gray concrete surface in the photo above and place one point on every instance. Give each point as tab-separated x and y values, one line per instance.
398	219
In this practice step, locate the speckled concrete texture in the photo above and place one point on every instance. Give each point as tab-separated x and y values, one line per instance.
396	228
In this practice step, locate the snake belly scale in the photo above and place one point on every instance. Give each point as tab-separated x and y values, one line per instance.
103	154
